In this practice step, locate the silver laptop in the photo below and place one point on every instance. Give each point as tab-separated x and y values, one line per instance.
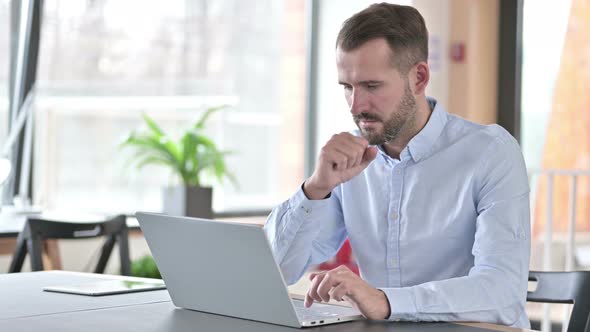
228	269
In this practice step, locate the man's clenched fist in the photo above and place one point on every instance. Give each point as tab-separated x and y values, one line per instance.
341	159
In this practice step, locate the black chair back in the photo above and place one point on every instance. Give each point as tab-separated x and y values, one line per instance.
565	287
37	229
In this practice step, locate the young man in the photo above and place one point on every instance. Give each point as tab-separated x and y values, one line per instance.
436	207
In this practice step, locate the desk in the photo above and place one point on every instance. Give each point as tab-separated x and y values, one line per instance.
11	224
25	307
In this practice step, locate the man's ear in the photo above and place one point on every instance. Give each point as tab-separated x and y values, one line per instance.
421	75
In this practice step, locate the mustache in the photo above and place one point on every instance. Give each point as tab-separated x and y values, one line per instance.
366	116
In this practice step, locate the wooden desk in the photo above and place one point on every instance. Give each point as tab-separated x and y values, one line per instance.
25	307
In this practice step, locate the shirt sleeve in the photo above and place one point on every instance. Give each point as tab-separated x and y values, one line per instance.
302	232
495	288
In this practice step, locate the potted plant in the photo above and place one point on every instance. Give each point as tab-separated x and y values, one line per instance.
188	158
145	267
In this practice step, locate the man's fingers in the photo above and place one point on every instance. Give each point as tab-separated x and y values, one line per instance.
356	146
308	300
356	139
343	151
347	145
312	292
369	155
339	293
348	157
345	157
328	282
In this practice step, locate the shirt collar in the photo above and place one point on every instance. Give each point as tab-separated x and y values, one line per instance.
420	146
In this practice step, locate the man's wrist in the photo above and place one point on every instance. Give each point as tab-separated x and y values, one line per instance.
314	194
387	307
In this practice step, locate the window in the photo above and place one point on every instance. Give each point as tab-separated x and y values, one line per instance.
99	69
553	114
555	124
4	69
540	72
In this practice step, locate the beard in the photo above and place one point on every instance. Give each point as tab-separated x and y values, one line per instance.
401	119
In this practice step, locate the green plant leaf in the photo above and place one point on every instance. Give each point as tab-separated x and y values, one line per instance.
160	140
145	267
221	168
154	160
152	125
189	158
149	144
201	123
193	153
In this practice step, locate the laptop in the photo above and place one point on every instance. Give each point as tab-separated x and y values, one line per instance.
228	269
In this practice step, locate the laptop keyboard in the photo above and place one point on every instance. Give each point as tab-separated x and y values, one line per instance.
320	311
311	314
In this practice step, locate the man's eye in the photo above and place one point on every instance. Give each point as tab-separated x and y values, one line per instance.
372	86
347	87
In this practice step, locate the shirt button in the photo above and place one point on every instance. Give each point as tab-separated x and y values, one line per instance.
394	216
306	210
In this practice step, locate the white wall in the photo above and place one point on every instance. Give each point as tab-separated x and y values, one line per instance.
436	15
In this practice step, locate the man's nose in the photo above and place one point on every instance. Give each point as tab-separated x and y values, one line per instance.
358	102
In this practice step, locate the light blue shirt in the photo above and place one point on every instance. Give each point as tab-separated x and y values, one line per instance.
444	232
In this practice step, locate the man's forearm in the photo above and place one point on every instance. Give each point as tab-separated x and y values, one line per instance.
481	297
295	225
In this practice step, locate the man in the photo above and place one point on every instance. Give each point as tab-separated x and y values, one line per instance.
436	208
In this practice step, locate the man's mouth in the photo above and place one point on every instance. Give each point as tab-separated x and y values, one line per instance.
366	118
367	123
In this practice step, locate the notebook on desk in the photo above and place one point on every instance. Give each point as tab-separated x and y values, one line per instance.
228	269
107	287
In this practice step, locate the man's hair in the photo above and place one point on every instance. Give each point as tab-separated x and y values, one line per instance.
401	26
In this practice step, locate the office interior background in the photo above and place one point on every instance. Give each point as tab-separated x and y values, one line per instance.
102	63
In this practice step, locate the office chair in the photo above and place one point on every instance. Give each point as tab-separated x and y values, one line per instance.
565	287
37	229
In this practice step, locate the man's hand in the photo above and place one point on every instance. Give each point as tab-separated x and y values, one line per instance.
342	158
341	284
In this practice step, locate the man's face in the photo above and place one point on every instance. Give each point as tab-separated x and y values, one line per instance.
380	99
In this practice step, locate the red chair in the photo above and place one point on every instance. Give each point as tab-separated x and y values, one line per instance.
343	257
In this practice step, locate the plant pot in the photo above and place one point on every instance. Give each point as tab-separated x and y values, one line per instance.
188	201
